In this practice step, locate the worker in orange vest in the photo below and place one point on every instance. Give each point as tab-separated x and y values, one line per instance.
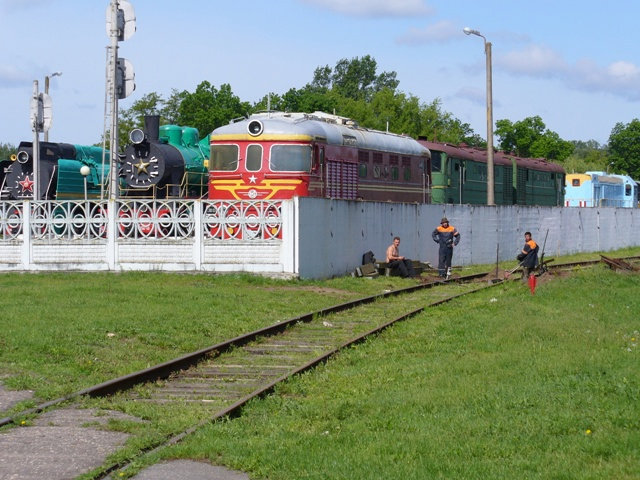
447	236
528	256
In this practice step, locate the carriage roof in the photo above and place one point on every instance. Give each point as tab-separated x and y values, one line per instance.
331	129
466	152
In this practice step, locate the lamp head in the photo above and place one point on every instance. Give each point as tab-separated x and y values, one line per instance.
471	31
84	170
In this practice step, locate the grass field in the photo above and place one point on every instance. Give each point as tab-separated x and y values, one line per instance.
500	384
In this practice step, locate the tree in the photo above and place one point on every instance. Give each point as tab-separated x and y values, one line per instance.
133	117
587	156
6	150
624	148
209	108
355	79
531	138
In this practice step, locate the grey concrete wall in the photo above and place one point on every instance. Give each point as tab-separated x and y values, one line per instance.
333	234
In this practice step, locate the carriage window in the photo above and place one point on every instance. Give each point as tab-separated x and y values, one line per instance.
436	162
362	170
575	182
395	174
254	158
293	158
407	173
224	157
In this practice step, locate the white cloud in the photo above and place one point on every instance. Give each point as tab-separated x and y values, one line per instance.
534	60
619	78
440	32
11	77
475	95
17	5
375	8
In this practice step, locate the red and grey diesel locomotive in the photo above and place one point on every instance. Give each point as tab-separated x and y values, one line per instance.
277	155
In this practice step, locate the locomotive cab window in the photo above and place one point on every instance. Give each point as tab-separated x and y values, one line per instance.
436	162
253	162
224	157
290	158
362	170
627	190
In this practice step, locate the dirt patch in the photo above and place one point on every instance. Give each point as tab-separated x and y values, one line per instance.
517	276
311	288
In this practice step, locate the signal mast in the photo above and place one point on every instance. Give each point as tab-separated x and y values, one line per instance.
121	25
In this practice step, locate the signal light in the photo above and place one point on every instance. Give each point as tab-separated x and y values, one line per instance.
23	156
136	136
255	128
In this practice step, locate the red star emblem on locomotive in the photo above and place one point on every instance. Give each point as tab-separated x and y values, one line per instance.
26	184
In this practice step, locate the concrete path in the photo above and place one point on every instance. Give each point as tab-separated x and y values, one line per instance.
63	444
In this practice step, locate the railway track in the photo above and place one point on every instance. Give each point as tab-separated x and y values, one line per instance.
222	378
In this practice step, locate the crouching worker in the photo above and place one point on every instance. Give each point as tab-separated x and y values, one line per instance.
446	236
397	262
528	256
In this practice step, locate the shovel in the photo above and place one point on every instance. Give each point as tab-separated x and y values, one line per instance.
506	275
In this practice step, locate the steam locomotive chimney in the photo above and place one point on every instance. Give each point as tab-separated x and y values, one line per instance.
152	127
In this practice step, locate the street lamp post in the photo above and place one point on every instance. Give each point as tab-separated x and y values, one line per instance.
490	180
46	91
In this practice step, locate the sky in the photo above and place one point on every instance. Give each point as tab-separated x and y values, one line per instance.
574	64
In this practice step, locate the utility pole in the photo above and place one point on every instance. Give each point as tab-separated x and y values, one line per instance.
490	178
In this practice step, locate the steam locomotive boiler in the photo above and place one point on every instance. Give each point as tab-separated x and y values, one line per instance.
165	162
59	172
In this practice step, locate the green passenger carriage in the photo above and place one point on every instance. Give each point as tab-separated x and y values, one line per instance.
459	176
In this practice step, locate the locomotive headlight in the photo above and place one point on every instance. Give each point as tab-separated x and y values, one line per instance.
23	156
136	136
255	128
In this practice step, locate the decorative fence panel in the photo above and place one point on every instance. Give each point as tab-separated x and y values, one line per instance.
144	235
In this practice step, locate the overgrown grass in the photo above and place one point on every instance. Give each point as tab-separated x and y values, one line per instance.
501	384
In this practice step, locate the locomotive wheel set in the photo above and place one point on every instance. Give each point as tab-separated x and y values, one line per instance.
278	155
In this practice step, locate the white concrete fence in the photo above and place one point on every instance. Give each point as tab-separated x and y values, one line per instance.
306	237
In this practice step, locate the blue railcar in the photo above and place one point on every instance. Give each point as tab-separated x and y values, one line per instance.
600	189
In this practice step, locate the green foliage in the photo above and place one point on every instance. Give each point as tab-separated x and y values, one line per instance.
6	150
354	89
209	108
587	156
624	148
354	79
531	138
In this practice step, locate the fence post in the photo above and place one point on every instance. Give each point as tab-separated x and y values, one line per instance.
26	235
198	234
111	233
289	247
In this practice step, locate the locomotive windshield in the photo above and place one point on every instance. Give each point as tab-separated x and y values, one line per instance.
224	157
290	158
